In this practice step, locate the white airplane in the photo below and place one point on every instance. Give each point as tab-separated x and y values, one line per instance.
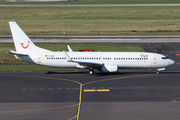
27	51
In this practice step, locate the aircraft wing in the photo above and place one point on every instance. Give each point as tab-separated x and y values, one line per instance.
16	53
87	64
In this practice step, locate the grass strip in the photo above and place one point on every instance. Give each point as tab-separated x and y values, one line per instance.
100	2
92	20
29	68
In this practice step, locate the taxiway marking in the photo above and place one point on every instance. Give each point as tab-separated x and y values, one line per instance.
38	109
41	88
80	93
103	90
96	90
89	90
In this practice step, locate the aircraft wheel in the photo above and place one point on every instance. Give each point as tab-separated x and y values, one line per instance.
91	72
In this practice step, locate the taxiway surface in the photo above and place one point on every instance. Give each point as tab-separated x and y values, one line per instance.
58	95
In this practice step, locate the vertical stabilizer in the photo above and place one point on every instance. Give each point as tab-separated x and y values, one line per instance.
21	41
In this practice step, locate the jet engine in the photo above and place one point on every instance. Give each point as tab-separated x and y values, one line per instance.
109	68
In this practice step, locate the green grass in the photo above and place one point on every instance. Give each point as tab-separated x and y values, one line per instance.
92	20
102	2
6	58
29	68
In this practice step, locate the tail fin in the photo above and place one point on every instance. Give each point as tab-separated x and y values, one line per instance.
21	40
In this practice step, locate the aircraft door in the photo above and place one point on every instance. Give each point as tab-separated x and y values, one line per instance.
155	59
39	59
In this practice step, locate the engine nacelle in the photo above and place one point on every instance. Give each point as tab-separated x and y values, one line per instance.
109	68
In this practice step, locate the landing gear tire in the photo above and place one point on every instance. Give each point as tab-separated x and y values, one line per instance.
91	72
157	72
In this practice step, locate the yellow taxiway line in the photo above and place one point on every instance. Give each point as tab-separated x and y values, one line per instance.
103	90
96	90
89	90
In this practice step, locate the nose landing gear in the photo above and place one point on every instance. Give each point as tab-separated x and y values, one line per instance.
91	72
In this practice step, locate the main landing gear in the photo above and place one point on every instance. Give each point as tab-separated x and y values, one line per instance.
91	71
157	72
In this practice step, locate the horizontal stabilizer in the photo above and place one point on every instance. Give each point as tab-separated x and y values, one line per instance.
16	53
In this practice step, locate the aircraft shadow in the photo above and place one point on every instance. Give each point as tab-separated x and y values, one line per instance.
108	74
130	73
67	72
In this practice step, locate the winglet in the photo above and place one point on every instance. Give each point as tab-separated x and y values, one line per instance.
69	48
67	57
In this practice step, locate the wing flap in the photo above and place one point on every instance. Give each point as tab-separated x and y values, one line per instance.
89	63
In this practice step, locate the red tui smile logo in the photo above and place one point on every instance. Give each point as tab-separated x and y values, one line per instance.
22	44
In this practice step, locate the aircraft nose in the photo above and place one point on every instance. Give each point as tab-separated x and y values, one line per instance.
171	62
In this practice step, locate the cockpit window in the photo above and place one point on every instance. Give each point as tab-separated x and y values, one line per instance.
165	57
